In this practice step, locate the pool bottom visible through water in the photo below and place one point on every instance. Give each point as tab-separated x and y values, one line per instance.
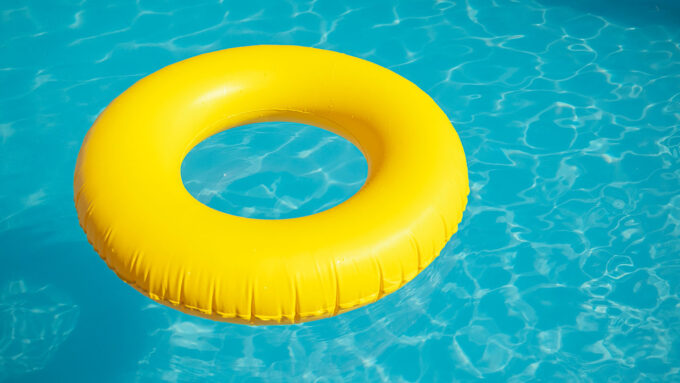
264	171
565	266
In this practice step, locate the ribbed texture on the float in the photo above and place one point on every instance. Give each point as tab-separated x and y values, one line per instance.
102	241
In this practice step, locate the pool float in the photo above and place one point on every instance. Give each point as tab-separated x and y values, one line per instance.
139	217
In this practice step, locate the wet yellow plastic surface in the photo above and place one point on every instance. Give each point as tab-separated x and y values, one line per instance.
136	212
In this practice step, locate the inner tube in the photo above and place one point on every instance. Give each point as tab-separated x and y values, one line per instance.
139	217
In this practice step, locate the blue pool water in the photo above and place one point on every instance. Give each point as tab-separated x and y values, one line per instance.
565	268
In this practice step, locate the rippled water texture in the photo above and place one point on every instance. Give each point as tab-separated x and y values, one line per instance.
33	323
566	266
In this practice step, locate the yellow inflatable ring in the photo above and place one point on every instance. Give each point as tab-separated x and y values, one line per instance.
141	220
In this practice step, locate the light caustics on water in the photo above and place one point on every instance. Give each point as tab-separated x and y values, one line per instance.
34	321
564	268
